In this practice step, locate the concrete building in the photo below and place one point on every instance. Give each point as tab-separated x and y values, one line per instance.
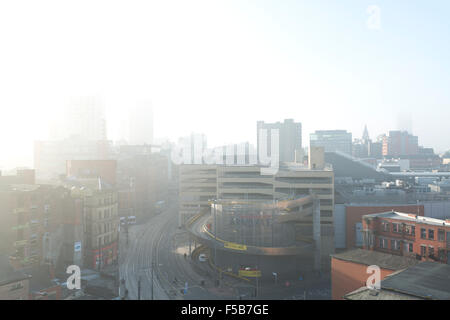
332	140
290	138
201	183
404	234
349	269
197	185
258	238
376	149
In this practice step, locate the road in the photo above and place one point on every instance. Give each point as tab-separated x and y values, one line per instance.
161	244
138	257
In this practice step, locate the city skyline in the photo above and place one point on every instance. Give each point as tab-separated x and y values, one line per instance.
316	70
224	150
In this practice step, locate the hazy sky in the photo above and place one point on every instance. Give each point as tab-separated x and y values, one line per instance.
219	66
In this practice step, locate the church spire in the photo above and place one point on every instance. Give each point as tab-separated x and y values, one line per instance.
365	134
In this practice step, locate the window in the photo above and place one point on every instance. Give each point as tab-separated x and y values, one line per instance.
395	245
423	233
431	251
441	254
431	234
383	243
395	227
410	247
423	251
385	226
441	235
409	229
413	230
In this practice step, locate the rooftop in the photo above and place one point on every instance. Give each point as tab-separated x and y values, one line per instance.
410	217
383	260
426	280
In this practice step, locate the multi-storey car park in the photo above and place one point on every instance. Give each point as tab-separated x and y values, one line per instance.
250	186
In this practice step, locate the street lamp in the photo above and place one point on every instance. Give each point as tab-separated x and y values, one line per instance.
139	281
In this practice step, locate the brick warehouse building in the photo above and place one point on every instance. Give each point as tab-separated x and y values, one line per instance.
404	234
354	214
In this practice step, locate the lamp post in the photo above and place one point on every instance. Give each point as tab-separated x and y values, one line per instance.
139	288
139	281
215	232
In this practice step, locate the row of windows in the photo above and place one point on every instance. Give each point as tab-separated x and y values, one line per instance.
411	230
424	250
395	244
430	234
409	247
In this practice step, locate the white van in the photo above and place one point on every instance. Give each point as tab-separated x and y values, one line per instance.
202	257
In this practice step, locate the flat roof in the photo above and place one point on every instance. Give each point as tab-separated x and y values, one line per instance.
381	259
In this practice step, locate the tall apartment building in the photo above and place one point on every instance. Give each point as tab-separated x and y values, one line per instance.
400	143
405	234
332	140
290	138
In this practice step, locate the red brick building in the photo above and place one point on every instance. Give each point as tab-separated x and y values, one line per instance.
400	143
354	214
404	234
349	269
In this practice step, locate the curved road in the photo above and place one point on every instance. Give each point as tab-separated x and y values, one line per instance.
160	243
